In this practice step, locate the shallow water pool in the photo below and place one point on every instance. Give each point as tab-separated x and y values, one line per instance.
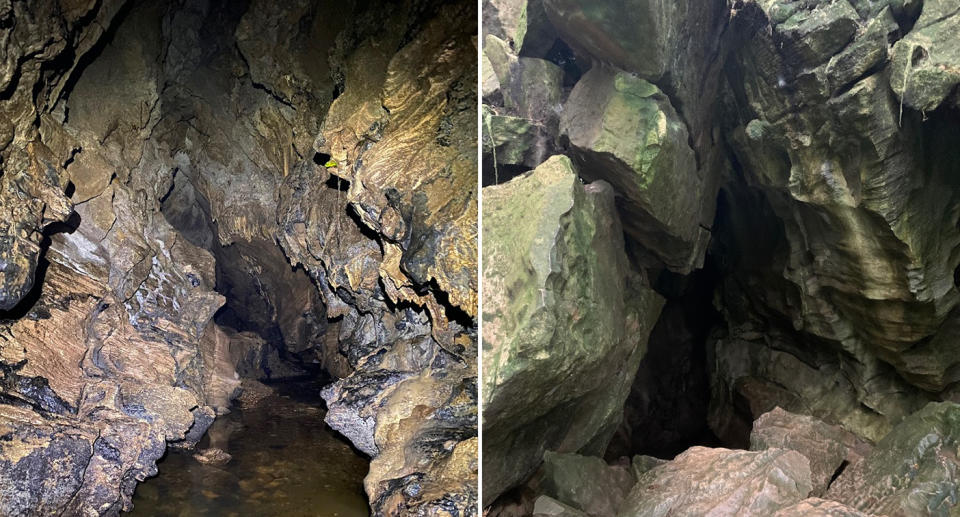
285	462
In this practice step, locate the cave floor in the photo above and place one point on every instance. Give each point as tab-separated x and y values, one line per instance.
285	461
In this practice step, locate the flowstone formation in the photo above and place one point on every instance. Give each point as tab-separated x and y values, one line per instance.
185	213
785	176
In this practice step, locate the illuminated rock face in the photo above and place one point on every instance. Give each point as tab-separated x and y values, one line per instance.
168	235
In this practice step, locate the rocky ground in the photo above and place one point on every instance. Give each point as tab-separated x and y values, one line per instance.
763	194
192	193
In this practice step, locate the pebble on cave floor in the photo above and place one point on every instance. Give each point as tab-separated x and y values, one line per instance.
284	461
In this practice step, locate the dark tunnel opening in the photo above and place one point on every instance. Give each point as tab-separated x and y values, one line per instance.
666	411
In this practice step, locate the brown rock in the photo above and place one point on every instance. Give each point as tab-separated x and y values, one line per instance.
705	481
827	447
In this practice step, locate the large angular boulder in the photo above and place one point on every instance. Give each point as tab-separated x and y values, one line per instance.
565	321
815	507
624	130
704	481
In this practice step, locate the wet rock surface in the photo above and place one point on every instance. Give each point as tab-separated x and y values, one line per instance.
169	226
283	460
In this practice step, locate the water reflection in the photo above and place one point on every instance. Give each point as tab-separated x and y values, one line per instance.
285	461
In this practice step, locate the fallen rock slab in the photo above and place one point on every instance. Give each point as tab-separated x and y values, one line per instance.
721	482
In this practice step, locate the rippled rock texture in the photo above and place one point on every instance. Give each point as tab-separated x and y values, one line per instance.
198	191
785	174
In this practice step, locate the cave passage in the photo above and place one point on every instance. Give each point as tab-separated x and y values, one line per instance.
197	89
667	409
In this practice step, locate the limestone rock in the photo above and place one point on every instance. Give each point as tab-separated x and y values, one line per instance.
506	19
33	184
512	140
825	446
374	130
704	481
622	129
212	456
640	36
135	183
553	333
912	471
856	275
545	506
923	65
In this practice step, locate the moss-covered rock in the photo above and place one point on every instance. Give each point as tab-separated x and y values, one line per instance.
511	140
624	130
565	321
925	64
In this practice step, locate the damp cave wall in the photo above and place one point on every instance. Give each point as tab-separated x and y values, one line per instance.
176	141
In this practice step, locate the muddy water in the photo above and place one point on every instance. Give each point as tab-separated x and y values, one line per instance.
285	462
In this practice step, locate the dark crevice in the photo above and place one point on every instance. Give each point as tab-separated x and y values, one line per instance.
367	232
259	86
321	159
451	311
173	183
843	466
666	411
337	183
503	172
27	303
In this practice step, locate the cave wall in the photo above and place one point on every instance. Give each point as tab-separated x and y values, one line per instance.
163	162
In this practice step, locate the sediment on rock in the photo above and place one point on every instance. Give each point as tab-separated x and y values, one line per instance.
183	212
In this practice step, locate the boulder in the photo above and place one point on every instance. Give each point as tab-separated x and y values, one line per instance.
827	447
546	506
815	507
565	321
925	64
624	130
721	482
